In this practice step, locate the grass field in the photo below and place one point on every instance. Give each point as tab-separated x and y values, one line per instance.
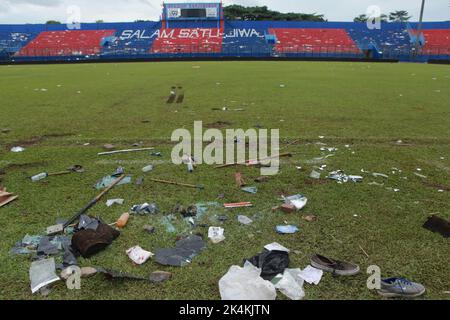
366	106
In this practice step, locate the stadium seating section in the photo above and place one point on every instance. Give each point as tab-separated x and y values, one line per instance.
229	38
313	40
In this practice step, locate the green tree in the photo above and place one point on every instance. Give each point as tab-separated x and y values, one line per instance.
399	16
361	18
237	12
52	22
99	21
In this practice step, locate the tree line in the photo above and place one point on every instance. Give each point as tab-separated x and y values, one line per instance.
258	13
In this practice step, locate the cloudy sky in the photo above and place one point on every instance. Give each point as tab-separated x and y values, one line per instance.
38	11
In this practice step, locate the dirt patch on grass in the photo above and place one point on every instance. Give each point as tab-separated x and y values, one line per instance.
314	182
218	125
436	186
16	166
37	139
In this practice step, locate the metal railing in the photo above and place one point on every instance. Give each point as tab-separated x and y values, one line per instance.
406	53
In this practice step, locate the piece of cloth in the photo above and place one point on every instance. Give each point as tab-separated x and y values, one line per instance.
271	263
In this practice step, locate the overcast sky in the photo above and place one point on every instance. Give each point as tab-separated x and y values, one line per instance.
39	11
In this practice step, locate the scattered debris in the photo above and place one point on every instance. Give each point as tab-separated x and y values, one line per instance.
311	275
147	168
138	255
244	220
42	273
252	190
124	151
270	262
299	201
183	253
439	225
246	284
288	208
17	149
149	229
160	276
310	218
145	208
239	180
109	146
287	229
123	220
315	175
111	202
238	205
216	234
178	183
290	284
89	242
275	246
340	177
6	197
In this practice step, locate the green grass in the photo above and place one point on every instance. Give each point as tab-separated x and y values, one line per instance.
366	106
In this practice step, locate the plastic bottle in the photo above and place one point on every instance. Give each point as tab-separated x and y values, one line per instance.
39	176
122	222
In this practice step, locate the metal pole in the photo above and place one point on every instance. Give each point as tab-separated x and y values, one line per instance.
419	27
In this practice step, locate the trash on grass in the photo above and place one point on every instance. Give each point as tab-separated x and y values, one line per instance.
311	275
290	284
275	246
340	177
315	175
245	284
298	201
89	242
237	205
270	262
42	273
183	253
216	234
17	149
111	202
244	220
252	190
287	229
147	168
6	197
145	208
123	220
139	255
439	225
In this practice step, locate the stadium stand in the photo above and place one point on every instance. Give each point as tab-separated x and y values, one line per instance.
66	43
207	34
317	40
188	41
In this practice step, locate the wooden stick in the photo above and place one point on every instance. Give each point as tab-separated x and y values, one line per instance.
177	183
123	151
250	162
93	202
364	251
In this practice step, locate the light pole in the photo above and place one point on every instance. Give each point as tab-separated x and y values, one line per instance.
419	27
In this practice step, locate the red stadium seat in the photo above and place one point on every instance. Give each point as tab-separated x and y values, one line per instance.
194	40
66	43
437	42
313	40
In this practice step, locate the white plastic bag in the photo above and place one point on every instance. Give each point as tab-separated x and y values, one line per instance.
216	234
291	284
246	284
